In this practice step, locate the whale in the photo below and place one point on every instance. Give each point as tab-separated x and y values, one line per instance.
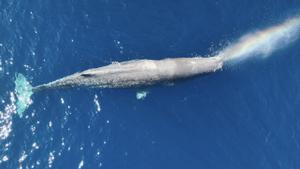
135	73
143	72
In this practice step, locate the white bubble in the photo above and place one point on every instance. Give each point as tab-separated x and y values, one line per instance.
62	100
50	124
35	145
4	159
23	157
97	103
141	95
51	159
81	164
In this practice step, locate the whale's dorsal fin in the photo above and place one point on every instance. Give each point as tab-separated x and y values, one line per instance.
87	74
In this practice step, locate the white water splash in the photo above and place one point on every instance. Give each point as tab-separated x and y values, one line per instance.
23	91
80	165
51	158
263	42
22	157
6	117
141	95
97	103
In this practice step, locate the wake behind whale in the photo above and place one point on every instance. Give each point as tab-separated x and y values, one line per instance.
148	72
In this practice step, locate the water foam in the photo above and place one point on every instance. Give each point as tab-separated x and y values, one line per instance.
6	117
264	42
23	91
19	101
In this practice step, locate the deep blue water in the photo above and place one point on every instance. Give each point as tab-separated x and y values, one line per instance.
245	116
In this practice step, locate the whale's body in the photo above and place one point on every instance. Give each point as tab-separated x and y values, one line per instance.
147	72
137	73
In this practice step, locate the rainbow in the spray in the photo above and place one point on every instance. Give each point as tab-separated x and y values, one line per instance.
263	42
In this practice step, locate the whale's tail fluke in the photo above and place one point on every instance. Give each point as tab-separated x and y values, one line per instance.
23	91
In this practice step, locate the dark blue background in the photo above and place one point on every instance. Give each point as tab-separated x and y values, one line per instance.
246	116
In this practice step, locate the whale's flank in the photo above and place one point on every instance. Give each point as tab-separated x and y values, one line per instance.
137	73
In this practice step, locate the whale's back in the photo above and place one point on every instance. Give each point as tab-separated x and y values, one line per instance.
137	73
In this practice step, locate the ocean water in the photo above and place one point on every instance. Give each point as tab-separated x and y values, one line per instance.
245	116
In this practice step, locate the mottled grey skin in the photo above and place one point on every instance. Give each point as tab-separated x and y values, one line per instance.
137	73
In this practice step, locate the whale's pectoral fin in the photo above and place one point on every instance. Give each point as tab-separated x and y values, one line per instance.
87	75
